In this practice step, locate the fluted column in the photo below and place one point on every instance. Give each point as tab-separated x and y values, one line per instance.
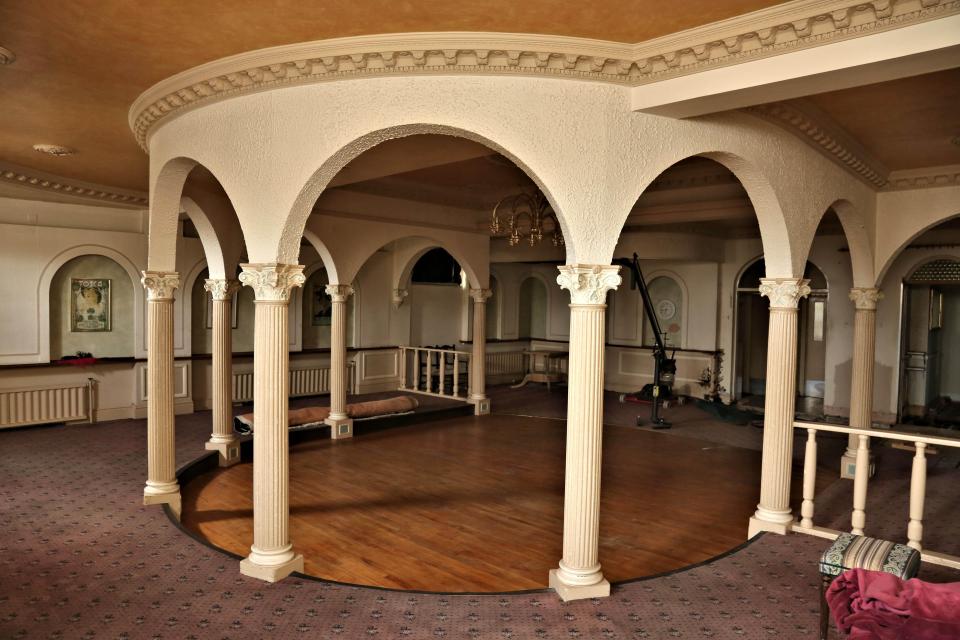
271	557
340	425
223	439
773	512
478	364
579	575
861	379
162	486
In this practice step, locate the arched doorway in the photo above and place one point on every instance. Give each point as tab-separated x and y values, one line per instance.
750	340
930	343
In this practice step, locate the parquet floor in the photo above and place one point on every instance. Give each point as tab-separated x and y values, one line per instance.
476	504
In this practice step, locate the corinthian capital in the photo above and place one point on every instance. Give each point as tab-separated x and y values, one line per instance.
480	295
588	283
865	298
339	292
160	284
271	281
221	289
784	293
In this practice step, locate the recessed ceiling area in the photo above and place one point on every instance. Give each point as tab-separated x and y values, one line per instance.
906	124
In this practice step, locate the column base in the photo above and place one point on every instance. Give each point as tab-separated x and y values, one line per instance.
848	465
271	572
229	451
568	592
760	524
340	428
481	405
171	498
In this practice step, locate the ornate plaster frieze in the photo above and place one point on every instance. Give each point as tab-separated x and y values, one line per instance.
160	285
944	176
26	177
221	289
784	293
588	283
480	296
7	56
339	292
272	282
779	29
865	298
819	130
398	296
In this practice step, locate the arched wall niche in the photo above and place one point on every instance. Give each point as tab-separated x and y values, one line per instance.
534	308
44	294
108	304
666	285
315	310
857	235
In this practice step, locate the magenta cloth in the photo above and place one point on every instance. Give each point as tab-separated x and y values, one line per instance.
873	605
78	362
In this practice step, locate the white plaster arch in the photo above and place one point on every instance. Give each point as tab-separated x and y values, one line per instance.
186	302
307	197
53	266
915	232
411	254
167	199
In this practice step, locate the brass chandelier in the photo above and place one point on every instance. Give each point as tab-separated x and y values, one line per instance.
527	218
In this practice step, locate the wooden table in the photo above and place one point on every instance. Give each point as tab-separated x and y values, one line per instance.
544	366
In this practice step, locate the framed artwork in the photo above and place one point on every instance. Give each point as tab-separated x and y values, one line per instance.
233	310
321	308
90	305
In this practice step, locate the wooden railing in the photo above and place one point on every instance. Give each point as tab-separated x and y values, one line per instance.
435	372
858	517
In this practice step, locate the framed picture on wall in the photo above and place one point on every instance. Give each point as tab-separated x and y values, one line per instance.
90	305
233	311
321	308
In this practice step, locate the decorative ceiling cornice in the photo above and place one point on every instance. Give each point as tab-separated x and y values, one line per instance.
779	29
7	56
818	129
26	177
945	176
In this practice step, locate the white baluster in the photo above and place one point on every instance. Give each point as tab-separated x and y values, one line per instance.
918	489
456	374
441	357
859	518
416	369
809	479
429	370
403	368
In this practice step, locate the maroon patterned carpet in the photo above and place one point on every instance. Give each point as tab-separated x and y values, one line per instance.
80	557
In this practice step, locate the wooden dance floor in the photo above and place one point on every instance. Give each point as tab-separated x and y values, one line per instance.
476	504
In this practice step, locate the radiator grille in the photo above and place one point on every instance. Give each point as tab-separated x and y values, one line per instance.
44	405
310	381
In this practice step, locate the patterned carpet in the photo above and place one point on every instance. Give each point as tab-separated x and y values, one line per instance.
80	557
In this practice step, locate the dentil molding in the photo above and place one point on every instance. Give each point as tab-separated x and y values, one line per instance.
944	176
865	298
784	293
160	285
272	282
588	284
221	289
785	27
339	292
27	177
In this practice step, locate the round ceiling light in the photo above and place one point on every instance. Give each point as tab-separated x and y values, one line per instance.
54	149
7	56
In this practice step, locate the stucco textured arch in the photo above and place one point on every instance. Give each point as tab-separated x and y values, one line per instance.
592	156
905	215
54	265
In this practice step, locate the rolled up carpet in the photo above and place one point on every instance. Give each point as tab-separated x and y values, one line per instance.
313	416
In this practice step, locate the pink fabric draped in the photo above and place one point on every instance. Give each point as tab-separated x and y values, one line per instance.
872	605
